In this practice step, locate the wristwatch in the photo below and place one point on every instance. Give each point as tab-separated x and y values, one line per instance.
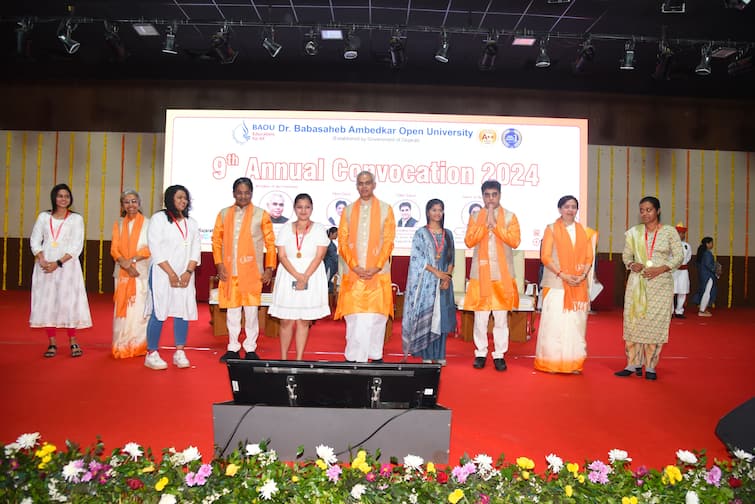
59	263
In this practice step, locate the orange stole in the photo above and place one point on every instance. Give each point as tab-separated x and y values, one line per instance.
124	244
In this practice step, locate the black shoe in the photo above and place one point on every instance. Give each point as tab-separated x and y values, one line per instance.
251	356
679	315
229	355
377	361
638	371
500	364
479	362
650	375
626	372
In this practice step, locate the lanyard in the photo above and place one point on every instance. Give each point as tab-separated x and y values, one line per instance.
652	246
184	232
298	243
56	234
438	246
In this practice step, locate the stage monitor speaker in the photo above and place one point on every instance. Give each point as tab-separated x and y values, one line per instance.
736	430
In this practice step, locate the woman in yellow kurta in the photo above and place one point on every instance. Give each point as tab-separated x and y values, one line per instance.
129	251
567	255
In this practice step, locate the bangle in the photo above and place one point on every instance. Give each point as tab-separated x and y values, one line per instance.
189	272
59	263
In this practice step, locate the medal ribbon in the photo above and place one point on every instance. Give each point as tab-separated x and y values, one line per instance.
298	243
56	234
652	246
184	232
438	247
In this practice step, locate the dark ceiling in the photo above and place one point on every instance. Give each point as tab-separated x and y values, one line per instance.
415	25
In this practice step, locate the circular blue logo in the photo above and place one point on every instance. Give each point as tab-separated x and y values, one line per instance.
511	138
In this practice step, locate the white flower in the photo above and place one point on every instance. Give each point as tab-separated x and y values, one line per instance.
618	455
691	498
27	500
743	455
555	463
252	450
483	462
191	454
167	499
72	470
11	449
268	489
358	490
26	441
268	458
133	450
686	456
326	454
413	462
413	497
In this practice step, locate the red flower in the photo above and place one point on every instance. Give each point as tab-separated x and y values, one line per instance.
442	477
735	482
134	483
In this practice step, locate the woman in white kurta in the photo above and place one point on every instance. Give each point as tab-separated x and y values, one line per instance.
129	250
173	239
300	294
58	295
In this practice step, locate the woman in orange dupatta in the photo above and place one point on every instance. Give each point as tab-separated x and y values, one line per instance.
567	257
129	251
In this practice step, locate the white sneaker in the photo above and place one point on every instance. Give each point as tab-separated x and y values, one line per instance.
180	360
153	361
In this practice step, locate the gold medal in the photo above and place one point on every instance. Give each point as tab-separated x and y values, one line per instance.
649	263
298	254
437	256
54	244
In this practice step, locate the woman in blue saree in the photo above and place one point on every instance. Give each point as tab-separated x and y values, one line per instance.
429	309
708	277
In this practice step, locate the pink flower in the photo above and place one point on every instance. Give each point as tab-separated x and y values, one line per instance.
204	471
641	471
134	483
484	499
333	473
385	470
370	476
714	476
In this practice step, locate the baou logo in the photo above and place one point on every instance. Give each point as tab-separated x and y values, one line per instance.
511	138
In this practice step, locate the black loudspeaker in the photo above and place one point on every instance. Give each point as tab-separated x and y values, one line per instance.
736	430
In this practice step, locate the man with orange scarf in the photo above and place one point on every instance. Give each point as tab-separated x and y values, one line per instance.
365	299
238	238
492	232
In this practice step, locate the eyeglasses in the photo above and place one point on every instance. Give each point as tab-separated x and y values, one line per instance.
130	201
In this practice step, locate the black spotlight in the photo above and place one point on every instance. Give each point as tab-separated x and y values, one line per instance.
489	54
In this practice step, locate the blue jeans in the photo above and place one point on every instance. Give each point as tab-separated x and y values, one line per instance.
155	327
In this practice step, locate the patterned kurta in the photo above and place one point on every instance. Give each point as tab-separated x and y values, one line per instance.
649	322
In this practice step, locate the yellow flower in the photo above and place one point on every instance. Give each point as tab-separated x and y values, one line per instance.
572	468
430	467
150	468
160	485
321	464
361	455
295	479
45	450
568	490
456	496
629	500
525	475
364	467
231	470
581	478
671	474
45	460
525	463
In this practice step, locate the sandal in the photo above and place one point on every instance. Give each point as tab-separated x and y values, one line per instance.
51	351
76	350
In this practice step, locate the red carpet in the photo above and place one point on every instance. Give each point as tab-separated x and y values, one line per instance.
706	370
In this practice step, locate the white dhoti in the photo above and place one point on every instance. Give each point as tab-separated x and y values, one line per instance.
251	328
500	333
365	333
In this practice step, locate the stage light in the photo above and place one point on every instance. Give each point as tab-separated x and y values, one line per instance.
65	30
736	4
114	42
585	57
543	60
627	62
703	68
489	54
169	46
145	29
311	46
273	48
673	7
396	50
351	47
441	55
221	46
331	34
23	44
664	61
742	64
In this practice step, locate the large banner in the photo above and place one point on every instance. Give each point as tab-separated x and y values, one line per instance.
414	158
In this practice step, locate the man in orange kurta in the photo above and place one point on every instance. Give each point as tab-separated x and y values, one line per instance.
365	298
492	232
240	232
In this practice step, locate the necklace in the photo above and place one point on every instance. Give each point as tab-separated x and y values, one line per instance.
438	246
56	234
300	243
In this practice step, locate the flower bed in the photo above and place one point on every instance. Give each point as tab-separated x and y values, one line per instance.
36	471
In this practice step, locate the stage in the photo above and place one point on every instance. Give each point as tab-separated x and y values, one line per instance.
705	371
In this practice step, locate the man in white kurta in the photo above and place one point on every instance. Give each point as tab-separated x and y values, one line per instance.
681	275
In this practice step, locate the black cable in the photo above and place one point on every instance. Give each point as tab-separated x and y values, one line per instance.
380	427
235	429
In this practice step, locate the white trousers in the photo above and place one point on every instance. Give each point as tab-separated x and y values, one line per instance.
365	333
705	299
680	299
500	333
251	327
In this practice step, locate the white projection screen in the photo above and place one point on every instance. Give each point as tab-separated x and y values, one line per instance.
414	157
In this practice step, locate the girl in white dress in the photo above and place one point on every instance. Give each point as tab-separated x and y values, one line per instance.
173	239
300	294
58	294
